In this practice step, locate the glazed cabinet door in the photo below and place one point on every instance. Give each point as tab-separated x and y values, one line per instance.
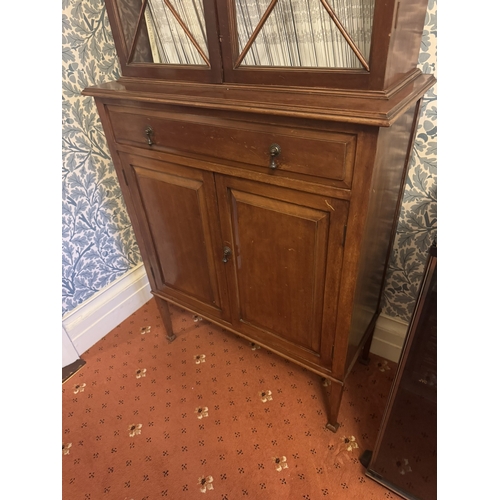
176	211
284	268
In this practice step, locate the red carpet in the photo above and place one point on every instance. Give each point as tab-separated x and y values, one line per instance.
211	416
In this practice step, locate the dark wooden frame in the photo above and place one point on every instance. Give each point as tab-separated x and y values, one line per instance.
411	345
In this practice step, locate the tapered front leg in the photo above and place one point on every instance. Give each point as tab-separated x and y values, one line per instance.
364	358
334	391
165	316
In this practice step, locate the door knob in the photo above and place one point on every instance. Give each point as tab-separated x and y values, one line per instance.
227	253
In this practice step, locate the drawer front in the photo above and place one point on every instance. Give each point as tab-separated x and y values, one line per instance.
304	152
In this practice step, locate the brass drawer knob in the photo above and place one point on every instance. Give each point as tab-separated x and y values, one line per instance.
274	151
149	133
227	253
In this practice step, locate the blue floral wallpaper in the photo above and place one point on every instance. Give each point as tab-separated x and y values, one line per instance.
417	227
98	244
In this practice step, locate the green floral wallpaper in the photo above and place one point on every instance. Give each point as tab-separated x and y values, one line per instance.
98	242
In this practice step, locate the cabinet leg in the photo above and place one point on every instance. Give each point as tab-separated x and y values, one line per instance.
165	316
334	396
364	359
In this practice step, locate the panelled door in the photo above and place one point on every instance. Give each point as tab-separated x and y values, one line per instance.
176	210
286	257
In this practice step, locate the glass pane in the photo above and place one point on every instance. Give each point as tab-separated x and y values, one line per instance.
300	33
170	43
129	14
164	37
357	18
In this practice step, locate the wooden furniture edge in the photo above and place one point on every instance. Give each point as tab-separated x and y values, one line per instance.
345	107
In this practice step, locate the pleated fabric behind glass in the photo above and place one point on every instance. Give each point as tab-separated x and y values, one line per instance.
297	33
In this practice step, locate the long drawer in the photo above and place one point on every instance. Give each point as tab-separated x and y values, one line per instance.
304	152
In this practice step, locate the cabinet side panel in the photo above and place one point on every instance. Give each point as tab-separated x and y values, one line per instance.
409	20
385	195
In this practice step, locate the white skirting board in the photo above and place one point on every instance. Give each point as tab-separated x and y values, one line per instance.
388	338
91	321
69	354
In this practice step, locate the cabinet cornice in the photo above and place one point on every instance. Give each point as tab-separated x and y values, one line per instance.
380	109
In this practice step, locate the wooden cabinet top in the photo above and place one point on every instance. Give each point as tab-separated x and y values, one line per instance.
357	107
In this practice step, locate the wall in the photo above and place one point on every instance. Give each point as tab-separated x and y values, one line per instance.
417	227
98	242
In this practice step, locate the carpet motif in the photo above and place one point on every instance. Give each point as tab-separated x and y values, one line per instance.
212	415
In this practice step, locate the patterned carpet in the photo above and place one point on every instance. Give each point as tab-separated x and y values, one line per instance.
211	415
